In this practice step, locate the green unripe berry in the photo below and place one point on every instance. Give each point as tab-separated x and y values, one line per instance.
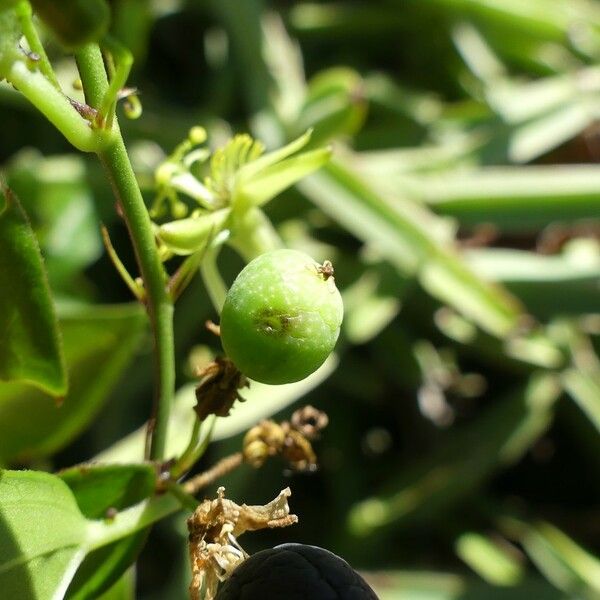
281	317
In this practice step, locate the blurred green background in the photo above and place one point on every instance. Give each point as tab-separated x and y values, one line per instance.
462	214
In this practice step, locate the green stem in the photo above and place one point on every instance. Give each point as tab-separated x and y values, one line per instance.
195	450
180	466
135	289
55	106
123	61
158	301
184	275
93	76
23	10
215	286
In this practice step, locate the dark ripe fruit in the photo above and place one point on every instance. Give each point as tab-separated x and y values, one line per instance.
281	317
295	572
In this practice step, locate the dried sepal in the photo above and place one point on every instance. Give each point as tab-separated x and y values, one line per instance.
298	452
290	439
219	388
309	421
213	531
263	440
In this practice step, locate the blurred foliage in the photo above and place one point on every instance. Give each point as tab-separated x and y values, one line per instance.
462	213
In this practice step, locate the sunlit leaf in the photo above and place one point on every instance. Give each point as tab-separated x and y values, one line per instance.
584	388
45	537
565	563
435	585
99	489
42	535
492	561
408	243
334	105
513	198
123	589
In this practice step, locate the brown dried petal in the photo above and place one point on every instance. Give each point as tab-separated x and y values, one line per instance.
218	389
213	528
298	451
309	421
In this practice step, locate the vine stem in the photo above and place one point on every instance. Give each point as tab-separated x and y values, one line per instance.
159	304
24	12
55	106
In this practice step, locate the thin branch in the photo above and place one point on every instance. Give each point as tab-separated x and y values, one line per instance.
224	466
135	289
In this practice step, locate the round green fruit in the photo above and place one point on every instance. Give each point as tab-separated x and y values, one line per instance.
281	317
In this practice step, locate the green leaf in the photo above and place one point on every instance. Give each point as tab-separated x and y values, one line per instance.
99	488
535	17
537	138
514	198
42	532
45	537
582	379
565	284
123	589
367	309
433	585
490	560
497	438
565	563
408	240
29	338
103	567
584	388
99	343
10	34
